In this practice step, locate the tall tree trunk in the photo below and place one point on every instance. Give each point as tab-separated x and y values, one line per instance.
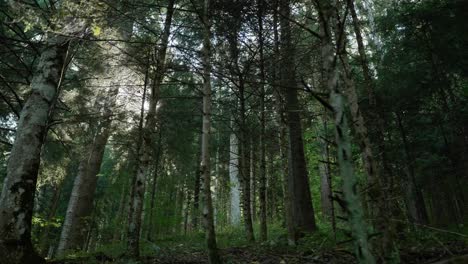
80	205
186	212
235	212
17	197
378	179
283	143
138	189
325	176
352	201
298	182
45	242
414	196
374	164
244	168
157	169
253	180
120	213
244	165
262	174
196	198
205	168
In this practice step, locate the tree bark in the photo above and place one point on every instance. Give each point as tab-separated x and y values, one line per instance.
325	176
157	169
138	189
253	180
298	182
205	168
196	199
81	201
235	212
80	204
353	205
414	197
244	166
17	197
281	119
45	243
262	174
376	170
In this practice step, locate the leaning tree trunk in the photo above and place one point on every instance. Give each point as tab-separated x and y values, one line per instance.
205	168
143	162
17	197
298	182
378	183
81	202
353	205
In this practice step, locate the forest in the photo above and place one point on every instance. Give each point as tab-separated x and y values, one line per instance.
233	131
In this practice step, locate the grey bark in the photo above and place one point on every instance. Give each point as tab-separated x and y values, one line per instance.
138	188
81	201
205	168
353	205
235	212
17	197
80	205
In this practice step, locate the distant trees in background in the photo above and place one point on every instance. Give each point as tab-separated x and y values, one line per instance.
123	122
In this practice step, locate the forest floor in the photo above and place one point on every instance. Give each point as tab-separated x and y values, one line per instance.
276	256
420	248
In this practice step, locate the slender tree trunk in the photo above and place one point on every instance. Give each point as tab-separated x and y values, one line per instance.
139	142
353	206
325	176
138	189
244	167
414	197
253	181
17	197
298	183
120	213
196	199
186	212
376	170
235	212
262	174
205	168
377	180
45	243
157	169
